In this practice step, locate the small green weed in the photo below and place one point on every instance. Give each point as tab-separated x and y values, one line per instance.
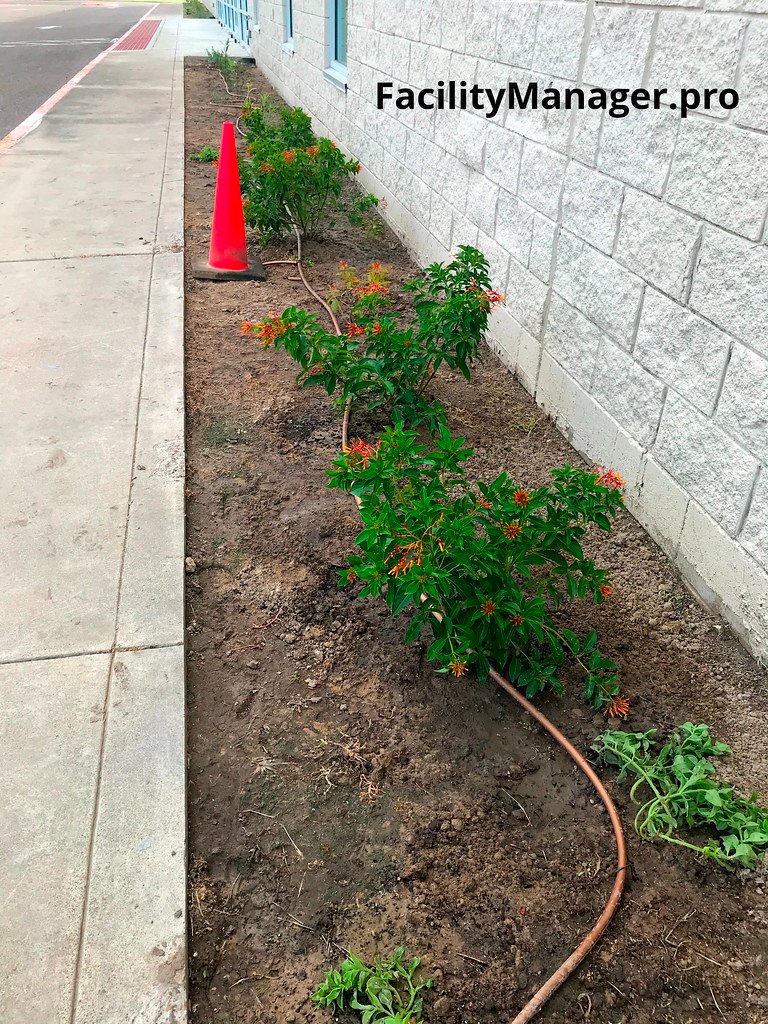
675	789
229	68
206	155
221	433
386	993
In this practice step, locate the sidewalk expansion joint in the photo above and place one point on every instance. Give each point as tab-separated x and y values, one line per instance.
63	656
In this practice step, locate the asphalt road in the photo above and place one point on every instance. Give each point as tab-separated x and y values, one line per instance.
43	43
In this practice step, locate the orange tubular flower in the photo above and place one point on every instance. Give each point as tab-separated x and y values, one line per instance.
408	555
618	708
516	620
247	326
361	453
376	328
610	478
513	530
372	289
354	330
521	497
605	589
484	503
376	265
214	163
488	607
269	330
266	168
289	156
458	667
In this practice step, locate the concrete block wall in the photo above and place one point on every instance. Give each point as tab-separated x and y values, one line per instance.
632	251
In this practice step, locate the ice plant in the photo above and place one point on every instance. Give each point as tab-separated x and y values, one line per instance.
484	576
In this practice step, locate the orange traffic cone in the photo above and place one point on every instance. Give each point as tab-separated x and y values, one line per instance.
227	257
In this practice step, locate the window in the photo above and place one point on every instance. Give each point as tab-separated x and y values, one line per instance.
288	21
337	42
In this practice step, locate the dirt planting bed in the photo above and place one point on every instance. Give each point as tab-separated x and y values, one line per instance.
341	794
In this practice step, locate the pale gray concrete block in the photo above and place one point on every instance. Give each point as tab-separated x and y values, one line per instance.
687	352
556	391
603	292
514	227
503	150
481	202
526	297
618	47
592	431
752	110
628	459
541	178
463	135
482	17
657	242
541	259
729	286
549	128
704	460
440	219
504	336
697	51
498	260
516	33
528	361
726	578
559	35
134	963
591	204
754	536
663	505
586	136
743	406
632	395
720	173
639	149
430	21
454	25
47	817
572	340
463	232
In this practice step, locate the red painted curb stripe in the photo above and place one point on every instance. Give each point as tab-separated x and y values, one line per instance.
140	37
30	123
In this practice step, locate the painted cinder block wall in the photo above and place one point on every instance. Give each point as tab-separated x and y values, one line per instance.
632	251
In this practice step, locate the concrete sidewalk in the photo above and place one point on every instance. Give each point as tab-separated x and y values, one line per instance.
92	848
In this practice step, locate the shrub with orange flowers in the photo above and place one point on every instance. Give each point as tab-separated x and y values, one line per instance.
288	174
483	567
379	361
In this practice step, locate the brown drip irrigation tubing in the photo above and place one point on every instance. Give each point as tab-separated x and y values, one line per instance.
564	971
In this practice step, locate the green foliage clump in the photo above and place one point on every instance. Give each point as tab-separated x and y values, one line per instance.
230	69
291	176
206	155
675	789
378	361
387	993
483	566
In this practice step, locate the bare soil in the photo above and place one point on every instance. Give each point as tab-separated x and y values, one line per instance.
341	794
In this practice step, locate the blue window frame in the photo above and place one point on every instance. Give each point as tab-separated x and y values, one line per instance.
288	21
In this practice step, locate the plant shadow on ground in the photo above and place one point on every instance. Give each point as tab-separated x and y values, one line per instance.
342	794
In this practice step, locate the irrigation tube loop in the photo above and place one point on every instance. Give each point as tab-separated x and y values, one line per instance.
564	971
